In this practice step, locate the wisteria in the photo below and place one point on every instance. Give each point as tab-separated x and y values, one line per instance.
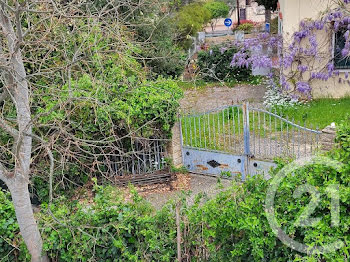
295	60
303	87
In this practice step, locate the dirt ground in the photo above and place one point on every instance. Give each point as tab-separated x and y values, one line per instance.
193	184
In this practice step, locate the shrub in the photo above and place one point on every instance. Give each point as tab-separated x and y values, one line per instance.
191	18
215	65
107	229
10	238
233	226
247	28
242	22
217	10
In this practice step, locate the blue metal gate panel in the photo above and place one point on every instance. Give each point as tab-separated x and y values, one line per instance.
242	140
256	167
213	163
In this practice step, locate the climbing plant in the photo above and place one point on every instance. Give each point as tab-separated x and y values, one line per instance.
307	56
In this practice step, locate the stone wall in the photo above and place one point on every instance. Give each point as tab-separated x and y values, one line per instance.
174	149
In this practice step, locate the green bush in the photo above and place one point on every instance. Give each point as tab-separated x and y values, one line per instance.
247	28
109	229
10	238
217	10
215	66
343	141
190	19
233	226
161	53
121	105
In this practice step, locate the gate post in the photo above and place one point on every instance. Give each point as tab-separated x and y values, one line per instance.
175	146
246	133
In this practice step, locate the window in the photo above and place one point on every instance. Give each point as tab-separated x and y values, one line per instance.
242	14
248	2
340	61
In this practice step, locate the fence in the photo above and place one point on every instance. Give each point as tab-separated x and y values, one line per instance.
240	129
144	161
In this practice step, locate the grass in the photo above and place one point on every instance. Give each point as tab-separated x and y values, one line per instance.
320	113
223	129
199	84
218	130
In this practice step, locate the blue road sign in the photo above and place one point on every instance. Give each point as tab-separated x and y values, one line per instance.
267	27
228	22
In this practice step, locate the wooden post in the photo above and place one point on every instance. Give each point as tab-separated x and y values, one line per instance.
178	228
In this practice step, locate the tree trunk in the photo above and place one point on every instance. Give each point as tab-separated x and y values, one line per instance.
22	150
25	218
267	15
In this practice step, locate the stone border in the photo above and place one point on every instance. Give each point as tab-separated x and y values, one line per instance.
328	135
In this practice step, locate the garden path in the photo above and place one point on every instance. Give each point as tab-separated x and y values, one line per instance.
205	99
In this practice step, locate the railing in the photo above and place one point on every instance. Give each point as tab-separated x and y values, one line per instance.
244	130
146	156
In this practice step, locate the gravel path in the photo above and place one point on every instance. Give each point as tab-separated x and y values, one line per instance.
202	100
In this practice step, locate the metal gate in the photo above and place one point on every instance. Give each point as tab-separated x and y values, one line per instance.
240	140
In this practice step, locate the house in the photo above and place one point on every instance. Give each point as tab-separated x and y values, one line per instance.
335	82
248	10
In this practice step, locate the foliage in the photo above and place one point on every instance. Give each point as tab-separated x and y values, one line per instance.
276	98
246	21
217	10
319	112
343	140
10	239
247	28
107	96
158	36
154	31
112	78
268	4
232	226
319	175
297	62
147	109
215	65
191	18
109	228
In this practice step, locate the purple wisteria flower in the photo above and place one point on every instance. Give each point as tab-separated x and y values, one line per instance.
303	87
303	48
303	68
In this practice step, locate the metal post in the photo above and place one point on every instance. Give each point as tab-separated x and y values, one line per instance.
238	18
246	133
180	118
